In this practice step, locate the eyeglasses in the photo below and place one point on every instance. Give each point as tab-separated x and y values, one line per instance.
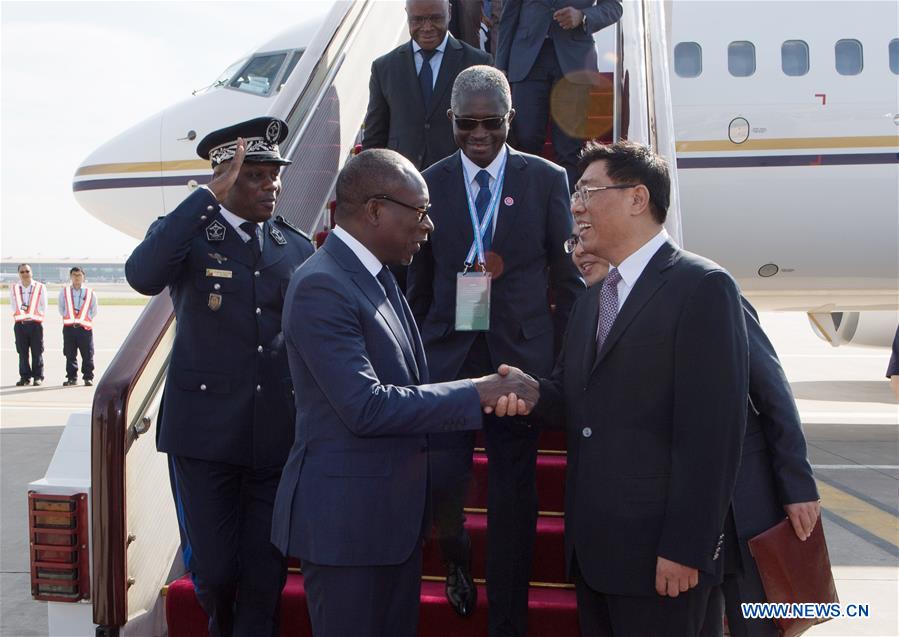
470	123
420	20
571	242
582	194
422	212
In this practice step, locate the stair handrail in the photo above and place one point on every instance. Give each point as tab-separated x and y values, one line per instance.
111	437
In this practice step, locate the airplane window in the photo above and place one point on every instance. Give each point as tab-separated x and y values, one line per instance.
294	58
794	57
848	57
894	56
259	74
741	58
688	59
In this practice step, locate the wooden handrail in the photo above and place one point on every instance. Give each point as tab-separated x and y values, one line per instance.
110	441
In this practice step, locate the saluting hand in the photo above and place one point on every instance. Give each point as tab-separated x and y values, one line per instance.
225	174
803	516
569	18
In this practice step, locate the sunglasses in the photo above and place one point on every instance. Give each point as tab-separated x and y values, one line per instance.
470	123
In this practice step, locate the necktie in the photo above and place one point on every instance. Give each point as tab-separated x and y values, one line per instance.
608	307
255	241
386	279
426	77
481	202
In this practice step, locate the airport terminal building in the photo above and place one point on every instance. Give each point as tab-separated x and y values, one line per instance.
50	270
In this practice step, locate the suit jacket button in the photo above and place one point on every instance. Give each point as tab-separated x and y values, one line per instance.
258	311
203	387
259	349
210	208
256	273
258	387
587	432
202	217
217	286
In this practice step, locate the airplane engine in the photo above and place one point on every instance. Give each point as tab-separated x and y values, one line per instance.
866	329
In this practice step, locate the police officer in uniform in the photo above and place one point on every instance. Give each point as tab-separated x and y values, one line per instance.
228	412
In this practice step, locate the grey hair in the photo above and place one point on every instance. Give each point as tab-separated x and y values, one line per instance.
481	79
371	172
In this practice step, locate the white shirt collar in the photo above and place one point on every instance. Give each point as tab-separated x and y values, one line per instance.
440	47
472	169
632	267
235	222
370	261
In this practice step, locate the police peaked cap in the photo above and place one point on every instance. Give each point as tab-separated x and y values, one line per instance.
261	136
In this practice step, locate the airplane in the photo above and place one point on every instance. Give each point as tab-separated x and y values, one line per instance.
786	150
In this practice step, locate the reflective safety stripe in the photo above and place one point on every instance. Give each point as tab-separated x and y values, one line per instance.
81	317
32	313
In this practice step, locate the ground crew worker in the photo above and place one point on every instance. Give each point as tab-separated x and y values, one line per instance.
28	300
78	307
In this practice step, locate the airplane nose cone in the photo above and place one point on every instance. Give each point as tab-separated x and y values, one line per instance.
118	183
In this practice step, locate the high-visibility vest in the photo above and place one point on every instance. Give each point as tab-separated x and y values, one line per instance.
33	311
81	318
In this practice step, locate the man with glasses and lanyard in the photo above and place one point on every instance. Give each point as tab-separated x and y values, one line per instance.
483	298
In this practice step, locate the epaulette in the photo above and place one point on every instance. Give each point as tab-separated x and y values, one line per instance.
285	222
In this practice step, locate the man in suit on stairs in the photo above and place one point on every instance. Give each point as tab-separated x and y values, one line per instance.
351	502
521	202
409	89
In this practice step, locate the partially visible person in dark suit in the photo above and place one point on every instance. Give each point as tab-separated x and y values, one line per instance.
775	478
351	503
652	381
593	269
227	415
465	21
893	367
409	91
521	202
408	98
540	43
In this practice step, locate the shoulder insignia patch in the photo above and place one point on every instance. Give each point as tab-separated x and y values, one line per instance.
284	222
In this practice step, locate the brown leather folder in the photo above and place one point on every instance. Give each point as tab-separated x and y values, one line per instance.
793	571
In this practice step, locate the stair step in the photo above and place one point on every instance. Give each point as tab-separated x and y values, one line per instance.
550	439
550	482
549	550
552	612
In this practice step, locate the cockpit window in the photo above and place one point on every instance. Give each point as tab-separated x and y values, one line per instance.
258	76
294	58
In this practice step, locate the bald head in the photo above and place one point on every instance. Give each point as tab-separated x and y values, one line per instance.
372	172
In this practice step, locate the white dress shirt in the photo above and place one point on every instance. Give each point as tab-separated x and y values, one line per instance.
632	267
436	59
471	170
235	222
370	261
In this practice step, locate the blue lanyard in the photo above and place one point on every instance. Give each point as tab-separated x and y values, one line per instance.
477	246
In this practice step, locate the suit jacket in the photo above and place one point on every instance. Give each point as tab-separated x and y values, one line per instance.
353	490
228	395
654	424
396	117
534	221
525	24
774	467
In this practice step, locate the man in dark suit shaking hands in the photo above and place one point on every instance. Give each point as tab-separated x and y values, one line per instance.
521	204
653	381
409	90
351	500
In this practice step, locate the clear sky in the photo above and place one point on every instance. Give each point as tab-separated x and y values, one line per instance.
75	74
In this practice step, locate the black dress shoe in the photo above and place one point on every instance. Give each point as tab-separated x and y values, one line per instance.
88	383
69	382
38	381
460	589
22	382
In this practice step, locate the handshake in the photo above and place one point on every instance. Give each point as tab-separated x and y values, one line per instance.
509	392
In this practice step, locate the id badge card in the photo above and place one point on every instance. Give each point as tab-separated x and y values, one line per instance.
473	301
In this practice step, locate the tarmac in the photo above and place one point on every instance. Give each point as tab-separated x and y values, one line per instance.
849	414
